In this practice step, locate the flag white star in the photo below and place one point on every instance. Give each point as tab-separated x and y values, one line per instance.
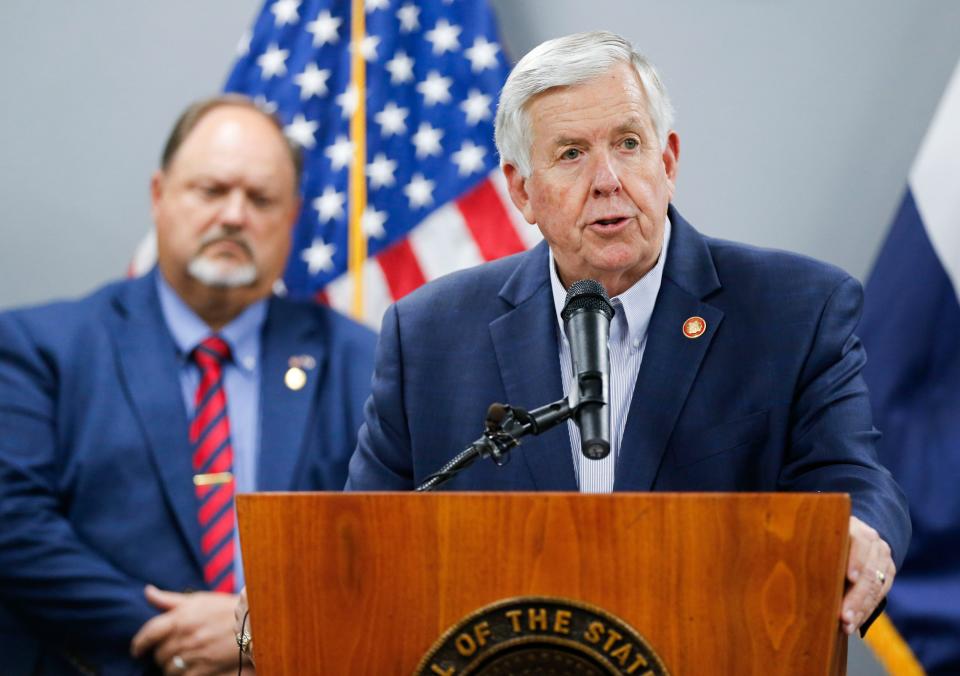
279	288
348	100
372	222
401	68
330	204
340	152
419	191
265	104
374	5
380	171
318	256
469	158
392	119
284	12
368	47
435	89
476	106
301	131
427	140
243	47
312	81
409	16
482	55
273	61
325	29
444	37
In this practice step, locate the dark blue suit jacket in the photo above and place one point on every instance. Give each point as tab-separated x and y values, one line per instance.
770	398
96	496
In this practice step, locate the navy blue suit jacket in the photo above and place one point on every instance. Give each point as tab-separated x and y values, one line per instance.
769	398
96	495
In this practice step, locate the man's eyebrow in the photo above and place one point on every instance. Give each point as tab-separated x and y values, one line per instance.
632	123
566	141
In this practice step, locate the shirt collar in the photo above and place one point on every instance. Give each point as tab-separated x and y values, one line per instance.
636	303
242	334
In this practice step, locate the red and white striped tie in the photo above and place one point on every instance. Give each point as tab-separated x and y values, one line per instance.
213	465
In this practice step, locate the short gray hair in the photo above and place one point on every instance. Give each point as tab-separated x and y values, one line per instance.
564	62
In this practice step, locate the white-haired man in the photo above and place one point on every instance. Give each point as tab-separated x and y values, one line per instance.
732	368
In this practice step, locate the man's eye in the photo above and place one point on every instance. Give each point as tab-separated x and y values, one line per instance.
631	144
570	154
211	190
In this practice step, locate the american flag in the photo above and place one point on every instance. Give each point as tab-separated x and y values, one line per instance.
436	200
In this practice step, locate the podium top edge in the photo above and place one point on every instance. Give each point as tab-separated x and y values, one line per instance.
525	495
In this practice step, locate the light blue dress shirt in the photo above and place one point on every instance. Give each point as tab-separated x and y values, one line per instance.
628	339
241	380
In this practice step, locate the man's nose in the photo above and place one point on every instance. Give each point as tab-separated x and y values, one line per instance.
234	212
606	180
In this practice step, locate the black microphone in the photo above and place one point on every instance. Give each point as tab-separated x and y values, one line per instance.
586	320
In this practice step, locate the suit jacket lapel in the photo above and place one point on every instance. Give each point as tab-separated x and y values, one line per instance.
525	342
289	340
670	360
149	372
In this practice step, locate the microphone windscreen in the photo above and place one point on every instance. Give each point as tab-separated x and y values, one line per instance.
495	415
587	294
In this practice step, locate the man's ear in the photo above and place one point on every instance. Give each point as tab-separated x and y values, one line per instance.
517	185
156	191
671	159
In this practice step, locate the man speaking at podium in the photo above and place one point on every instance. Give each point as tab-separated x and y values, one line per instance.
731	368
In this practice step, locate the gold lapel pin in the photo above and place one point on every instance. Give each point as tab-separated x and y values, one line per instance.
694	327
295	378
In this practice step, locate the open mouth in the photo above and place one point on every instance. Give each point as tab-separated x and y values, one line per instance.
610	222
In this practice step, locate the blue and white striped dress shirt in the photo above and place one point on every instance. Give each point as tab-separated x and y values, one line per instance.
628	338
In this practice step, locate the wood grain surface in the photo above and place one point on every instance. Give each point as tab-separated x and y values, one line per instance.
365	583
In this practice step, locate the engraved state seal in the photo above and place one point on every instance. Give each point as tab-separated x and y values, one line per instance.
544	636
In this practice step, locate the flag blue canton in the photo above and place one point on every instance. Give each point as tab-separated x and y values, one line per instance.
433	73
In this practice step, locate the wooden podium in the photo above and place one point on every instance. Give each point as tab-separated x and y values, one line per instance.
367	583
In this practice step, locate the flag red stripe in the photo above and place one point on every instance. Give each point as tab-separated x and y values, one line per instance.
489	222
401	269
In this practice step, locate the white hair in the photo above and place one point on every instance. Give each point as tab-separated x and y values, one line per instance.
564	62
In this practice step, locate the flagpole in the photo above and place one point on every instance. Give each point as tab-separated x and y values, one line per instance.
357	249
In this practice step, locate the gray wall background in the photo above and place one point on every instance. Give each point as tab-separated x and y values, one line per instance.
798	119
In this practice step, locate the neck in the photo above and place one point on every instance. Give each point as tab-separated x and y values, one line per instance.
615	284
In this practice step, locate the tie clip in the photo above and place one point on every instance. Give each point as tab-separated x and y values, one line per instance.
211	479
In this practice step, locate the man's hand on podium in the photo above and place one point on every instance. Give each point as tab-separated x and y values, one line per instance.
870	572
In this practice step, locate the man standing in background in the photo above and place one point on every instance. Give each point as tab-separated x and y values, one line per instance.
132	417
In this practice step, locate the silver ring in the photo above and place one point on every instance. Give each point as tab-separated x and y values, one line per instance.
881	577
179	663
